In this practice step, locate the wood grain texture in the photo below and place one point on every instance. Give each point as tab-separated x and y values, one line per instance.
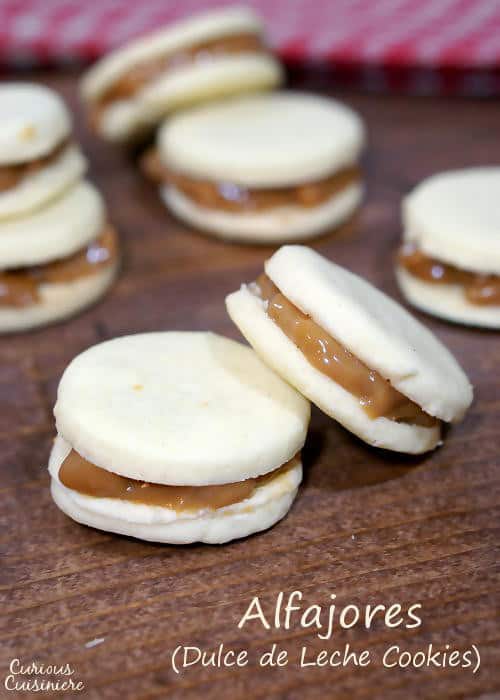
369	526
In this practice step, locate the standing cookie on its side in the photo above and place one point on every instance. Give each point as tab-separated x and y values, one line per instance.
212	55
263	169
449	264
351	350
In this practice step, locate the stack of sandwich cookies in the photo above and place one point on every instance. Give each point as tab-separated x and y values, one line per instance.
266	168
38	159
56	261
351	350
189	438
213	55
449	264
58	253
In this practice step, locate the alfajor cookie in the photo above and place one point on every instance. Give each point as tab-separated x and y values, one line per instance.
56	260
38	159
262	169
351	350
189	437
212	55
449	263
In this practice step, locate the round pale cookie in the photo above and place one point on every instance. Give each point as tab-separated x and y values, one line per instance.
57	231
218	76
447	301
455	218
264	142
273	140
277	225
269	503
58	301
374	328
34	121
179	409
44	185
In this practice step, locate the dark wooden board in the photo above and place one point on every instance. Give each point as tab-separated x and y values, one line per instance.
369	526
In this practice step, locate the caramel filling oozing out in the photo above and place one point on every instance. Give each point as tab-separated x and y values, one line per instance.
11	175
374	393
231	197
80	475
20	287
480	289
149	70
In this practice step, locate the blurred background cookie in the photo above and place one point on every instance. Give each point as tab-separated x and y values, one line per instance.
57	260
449	263
38	159
212	55
261	169
58	251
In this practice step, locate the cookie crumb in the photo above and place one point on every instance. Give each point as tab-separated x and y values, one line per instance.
28	133
94	642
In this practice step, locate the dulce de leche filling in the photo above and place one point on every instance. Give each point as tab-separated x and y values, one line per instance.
148	70
231	197
80	475
375	394
480	289
12	175
20	287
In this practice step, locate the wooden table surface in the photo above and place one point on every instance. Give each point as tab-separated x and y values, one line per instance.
369	526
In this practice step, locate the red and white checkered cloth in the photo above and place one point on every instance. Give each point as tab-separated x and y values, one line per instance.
413	45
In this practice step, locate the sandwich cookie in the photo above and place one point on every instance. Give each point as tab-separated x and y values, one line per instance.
263	169
38	159
190	437
56	260
209	56
449	263
352	350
